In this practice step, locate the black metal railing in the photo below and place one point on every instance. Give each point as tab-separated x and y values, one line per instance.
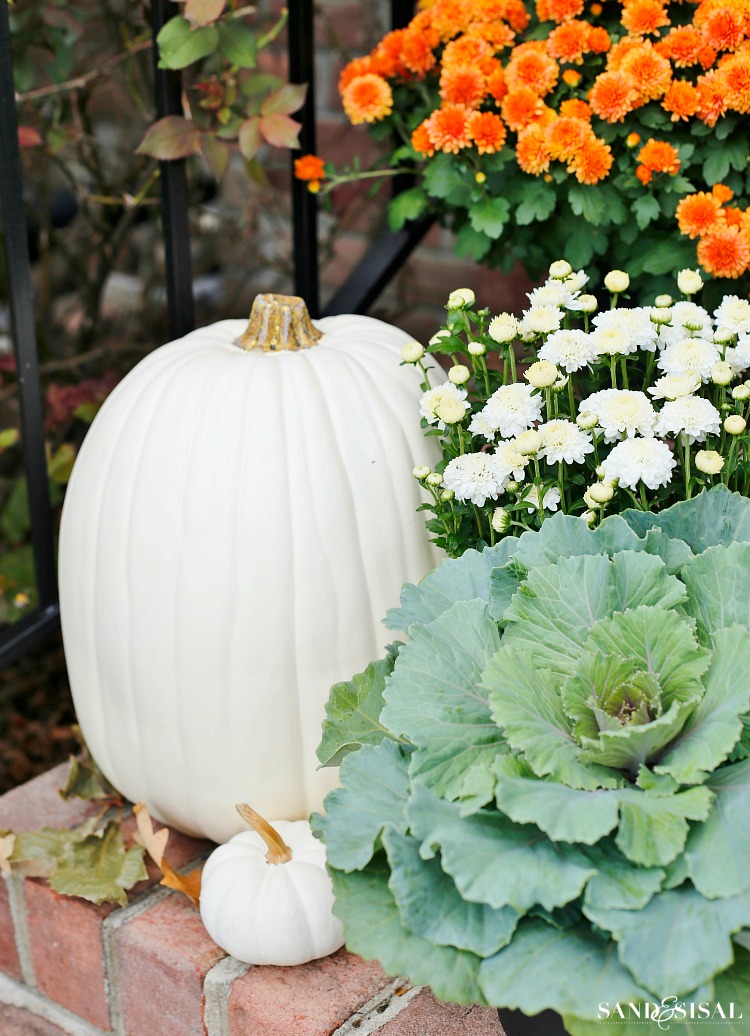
358	292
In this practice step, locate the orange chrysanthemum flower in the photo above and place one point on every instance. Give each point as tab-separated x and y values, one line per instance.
462	86
681	100
593	162
575	109
733	217
599	41
644	174
659	157
722	193
569	41
558	10
698	213
682	45
566	136
532	67
735	78
723	28
367	98
386	58
532	151
449	17
309	167
466	50
724	252
712	100
421	140
521	107
449	128
357	67
497	88
514	13
643	17
497	34
613	95
418	50
651	72
487	131
632	140
620	51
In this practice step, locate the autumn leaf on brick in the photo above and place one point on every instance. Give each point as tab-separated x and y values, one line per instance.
171	137
36	853
155	844
100	868
85	779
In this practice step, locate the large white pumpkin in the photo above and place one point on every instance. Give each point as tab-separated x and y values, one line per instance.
237	523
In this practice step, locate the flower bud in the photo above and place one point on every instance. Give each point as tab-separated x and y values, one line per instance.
693	325
721	373
500	520
587	420
734	424
528	442
632	140
450	411
412	352
723	337
560	269
689	281
476	348
561	384
542	374
590	518
459	374
421	472
447	495
599	471
741	392
709	462
662	301
512	487
434	479
589	500
587	304
480	177
461	298
503	328
661	315
601	492
616	281
440	335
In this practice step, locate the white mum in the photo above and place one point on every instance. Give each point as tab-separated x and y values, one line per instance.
550	498
733	315
673	386
507	460
739	357
564	441
472	477
540	320
570	350
433	397
479	425
689	355
693	415
640	460
635	324
688	318
621	411
512	409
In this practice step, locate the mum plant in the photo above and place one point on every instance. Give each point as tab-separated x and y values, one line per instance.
545	796
590	412
594	122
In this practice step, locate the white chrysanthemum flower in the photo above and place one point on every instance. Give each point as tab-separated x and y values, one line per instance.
459	374
512	409
612	341
735	424
480	425
636	324
433	397
451	411
696	355
540	320
551	293
621	411
550	499
584	304
570	350
709	462
461	298
689	281
695	416
689	320
503	328
542	374
507	460
640	460
733	315
722	373
739	356
472	477
674	386
575	282
564	441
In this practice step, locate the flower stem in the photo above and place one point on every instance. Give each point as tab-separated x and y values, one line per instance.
571	399
686	455
613	370
625	373
478	517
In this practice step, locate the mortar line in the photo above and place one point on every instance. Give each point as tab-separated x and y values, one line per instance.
21	934
14	994
217	987
381	1008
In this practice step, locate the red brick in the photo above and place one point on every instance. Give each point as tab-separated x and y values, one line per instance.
8	956
344	28
162	957
38	804
16	1021
311	1000
65	934
425	1015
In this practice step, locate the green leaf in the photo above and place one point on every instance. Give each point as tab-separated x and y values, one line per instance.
85	781
653	828
374	930
525	702
406	206
456	579
494	861
249	138
286	100
443	180
717	851
372	797
490	215
617	883
216	154
353	713
538	203
179	46
99	868
678	941
713	517
430	905
37	853
170	137
668	256
471	244
14	518
714	728
569	971
238	44
434	699
587	201
564	536
716	166
646	209
718	582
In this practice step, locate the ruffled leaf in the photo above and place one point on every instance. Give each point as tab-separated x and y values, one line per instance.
653	828
714	517
719	588
353	713
617	883
718	851
564	535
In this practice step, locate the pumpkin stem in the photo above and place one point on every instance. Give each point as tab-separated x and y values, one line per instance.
278	850
279	322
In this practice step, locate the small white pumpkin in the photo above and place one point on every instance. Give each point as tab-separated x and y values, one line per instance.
266	897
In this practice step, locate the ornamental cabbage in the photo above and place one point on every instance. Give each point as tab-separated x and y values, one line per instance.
545	793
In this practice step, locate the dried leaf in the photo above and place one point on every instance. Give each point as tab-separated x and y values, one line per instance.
171	137
280	130
188	884
36	854
7	841
100	869
154	842
85	779
203	12
216	153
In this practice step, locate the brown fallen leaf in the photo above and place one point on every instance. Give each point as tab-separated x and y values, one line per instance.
155	844
188	884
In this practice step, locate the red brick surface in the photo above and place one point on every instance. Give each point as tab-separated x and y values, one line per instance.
162	957
311	1000
15	1021
38	804
425	1015
8	956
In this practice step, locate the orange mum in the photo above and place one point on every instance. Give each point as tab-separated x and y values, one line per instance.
448	17
642	17
575	109
566	137
497	88
497	34
487	131
735	78
723	29
659	157
448	128
569	41
613	95
466	50
531	66
309	167
421	140
650	72
712	100
521	107
418	50
722	193
355	68
593	161
367	98
682	45
558	10
386	58
724	252
698	213
462	85
681	100
532	150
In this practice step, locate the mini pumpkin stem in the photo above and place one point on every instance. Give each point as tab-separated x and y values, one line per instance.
278	850
277	323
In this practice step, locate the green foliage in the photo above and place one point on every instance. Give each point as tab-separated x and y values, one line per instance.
564	822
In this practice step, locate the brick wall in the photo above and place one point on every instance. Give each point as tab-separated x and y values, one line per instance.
67	966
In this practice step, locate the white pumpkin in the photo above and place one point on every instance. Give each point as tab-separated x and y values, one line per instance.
266	896
237	524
